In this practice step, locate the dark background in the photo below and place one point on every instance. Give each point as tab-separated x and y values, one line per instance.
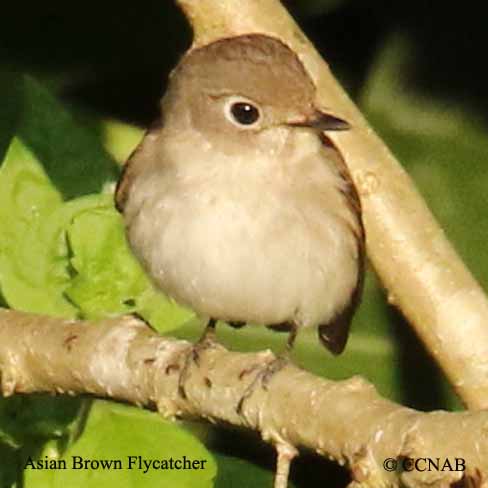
114	57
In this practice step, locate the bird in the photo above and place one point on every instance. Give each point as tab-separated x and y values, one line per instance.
237	203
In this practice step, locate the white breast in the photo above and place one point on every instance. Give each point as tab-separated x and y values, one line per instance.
262	241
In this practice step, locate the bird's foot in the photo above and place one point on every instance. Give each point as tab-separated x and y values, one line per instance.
206	341
263	377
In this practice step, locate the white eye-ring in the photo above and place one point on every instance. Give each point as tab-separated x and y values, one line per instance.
242	112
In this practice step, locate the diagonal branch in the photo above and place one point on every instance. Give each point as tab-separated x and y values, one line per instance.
347	421
419	268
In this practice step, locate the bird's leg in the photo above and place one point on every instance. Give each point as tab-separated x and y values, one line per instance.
207	339
269	370
291	340
282	359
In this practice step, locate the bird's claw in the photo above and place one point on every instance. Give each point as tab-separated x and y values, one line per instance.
263	377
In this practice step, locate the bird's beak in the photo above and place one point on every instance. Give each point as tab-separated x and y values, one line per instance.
321	121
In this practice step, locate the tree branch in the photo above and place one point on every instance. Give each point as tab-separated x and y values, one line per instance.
419	268
347	421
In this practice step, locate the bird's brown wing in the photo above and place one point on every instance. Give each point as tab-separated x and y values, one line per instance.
130	168
334	334
122	188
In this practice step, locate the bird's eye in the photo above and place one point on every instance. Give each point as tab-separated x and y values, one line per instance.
243	113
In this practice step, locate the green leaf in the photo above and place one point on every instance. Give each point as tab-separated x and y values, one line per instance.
23	418
115	432
71	155
51	158
107	278
33	256
120	139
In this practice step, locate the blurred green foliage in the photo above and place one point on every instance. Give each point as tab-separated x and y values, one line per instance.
414	72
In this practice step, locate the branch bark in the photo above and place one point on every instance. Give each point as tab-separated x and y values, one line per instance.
347	421
420	270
